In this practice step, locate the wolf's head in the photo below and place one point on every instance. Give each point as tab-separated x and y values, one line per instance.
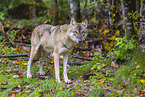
78	31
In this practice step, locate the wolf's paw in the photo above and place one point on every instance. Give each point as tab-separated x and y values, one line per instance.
42	73
68	81
29	75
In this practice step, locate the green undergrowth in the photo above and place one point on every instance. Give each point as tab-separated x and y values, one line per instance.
106	76
13	80
126	79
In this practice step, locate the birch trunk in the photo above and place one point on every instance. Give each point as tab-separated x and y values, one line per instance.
110	19
127	9
142	25
75	9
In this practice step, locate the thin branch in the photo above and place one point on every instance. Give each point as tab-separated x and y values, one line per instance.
6	36
10	29
83	58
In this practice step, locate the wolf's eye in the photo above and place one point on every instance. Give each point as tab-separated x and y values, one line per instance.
75	32
83	33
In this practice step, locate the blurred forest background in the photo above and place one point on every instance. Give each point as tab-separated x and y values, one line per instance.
110	63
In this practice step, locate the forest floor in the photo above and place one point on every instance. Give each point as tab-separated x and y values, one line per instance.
100	78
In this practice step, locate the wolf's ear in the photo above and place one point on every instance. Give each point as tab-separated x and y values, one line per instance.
73	21
85	23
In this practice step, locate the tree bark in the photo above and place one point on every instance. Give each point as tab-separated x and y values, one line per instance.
34	16
55	12
110	19
75	9
142	25
127	9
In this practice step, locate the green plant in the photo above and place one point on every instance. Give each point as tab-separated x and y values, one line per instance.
123	48
134	15
2	18
96	92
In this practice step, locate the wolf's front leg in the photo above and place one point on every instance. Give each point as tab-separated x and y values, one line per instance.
56	66
28	69
65	60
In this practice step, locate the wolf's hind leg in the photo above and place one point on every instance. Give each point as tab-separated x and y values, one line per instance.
41	62
65	60
34	50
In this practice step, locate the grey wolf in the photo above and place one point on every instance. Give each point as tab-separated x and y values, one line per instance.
58	40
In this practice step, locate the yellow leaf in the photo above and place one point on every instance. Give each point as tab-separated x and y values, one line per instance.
117	33
93	68
100	30
142	80
111	44
86	42
107	46
60	88
112	38
137	66
109	88
101	81
50	93
38	62
106	31
44	66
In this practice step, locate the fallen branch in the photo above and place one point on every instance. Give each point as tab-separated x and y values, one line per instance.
51	62
83	49
14	55
10	29
27	55
83	58
6	36
70	63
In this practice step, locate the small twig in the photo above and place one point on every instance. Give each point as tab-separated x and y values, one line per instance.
10	29
84	58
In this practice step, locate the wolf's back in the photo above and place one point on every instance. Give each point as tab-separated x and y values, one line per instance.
35	39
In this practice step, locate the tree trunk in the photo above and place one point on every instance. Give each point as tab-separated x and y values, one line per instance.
142	24
75	9
55	12
34	16
137	5
127	9
110	19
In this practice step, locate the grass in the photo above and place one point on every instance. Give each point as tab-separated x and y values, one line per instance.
128	80
13	80
123	80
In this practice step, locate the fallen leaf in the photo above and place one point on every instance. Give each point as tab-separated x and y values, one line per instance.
60	88
142	80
